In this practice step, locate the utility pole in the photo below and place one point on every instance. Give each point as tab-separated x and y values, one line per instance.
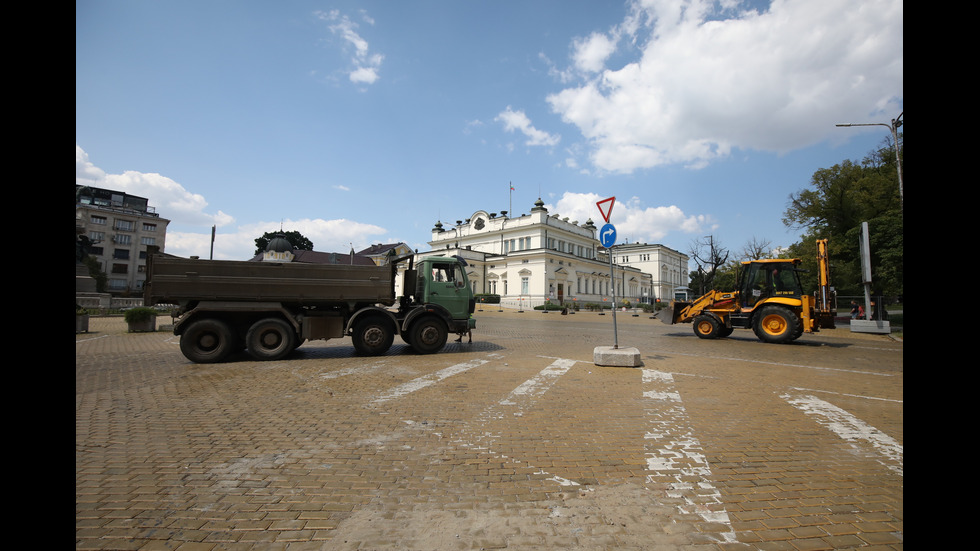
893	126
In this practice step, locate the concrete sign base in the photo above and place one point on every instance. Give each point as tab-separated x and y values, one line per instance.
616	357
870	326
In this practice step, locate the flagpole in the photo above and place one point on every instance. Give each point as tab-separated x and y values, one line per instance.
511	204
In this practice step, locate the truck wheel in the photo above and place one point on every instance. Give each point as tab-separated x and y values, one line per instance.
775	324
706	327
270	339
428	335
207	341
372	336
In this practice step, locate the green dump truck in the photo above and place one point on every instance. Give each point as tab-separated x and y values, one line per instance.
270	308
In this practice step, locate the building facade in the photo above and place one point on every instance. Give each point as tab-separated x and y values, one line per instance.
119	228
667	267
540	257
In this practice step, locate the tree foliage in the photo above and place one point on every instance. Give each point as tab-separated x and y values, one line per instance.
298	240
838	200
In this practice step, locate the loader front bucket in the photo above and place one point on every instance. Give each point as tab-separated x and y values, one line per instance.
669	315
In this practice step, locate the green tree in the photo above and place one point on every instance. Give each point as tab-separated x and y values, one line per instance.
298	240
839	199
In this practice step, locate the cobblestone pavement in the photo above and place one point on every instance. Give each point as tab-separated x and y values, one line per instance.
514	441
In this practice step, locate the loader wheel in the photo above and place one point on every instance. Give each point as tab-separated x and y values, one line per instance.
707	327
775	324
428	335
270	339
373	336
207	341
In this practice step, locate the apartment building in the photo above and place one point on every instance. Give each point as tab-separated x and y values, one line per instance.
119	227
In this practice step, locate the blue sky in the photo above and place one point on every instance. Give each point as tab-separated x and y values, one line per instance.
360	122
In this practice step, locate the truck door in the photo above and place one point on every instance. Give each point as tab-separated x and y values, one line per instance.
448	286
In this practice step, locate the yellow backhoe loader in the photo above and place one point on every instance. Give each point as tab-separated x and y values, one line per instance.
769	300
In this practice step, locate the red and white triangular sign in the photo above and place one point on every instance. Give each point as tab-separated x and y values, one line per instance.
609	205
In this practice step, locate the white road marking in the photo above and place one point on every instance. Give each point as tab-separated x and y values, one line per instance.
539	384
730	359
850	428
91	339
428	380
848	395
352	370
674	453
522	397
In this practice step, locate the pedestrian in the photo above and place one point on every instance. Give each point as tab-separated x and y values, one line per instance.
860	312
854	310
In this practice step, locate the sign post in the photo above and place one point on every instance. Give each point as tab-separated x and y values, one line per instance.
607	238
604	355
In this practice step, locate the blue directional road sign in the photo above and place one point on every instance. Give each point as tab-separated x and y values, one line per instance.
607	236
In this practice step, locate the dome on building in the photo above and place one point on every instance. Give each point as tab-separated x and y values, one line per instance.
279	245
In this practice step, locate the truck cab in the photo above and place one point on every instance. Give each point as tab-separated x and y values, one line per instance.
444	282
442	303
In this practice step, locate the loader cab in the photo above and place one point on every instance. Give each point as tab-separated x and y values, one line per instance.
768	279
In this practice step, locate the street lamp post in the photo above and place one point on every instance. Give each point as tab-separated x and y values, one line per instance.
894	126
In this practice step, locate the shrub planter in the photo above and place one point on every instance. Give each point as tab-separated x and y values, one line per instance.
141	319
81	323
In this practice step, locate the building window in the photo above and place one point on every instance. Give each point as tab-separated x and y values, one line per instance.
121	254
96	236
149	227
124	225
120	268
117	284
148	241
122	239
100	220
525	286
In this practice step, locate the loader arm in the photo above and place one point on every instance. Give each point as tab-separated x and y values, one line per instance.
683	312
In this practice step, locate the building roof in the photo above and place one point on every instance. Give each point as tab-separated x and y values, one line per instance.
380	249
317	257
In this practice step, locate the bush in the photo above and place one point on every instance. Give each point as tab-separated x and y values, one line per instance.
139	314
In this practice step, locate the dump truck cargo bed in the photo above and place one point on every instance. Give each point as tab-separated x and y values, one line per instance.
177	280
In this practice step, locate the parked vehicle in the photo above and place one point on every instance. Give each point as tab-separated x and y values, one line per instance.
270	308
769	300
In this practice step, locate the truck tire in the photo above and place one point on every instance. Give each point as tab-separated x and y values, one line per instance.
707	327
270	339
207	341
776	324
428	335
373	336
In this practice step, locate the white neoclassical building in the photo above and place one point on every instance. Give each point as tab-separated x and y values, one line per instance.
540	257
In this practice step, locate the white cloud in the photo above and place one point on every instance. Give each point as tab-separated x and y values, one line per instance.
517	120
590	54
633	220
169	198
187	213
366	64
706	82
